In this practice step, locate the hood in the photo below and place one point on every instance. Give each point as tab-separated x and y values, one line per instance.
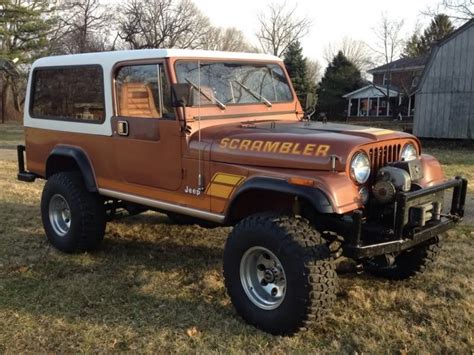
289	144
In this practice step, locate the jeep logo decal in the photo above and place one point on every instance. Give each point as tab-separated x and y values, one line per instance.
319	150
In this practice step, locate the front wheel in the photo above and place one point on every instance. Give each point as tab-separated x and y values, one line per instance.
278	273
74	219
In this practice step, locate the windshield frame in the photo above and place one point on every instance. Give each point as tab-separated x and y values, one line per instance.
237	61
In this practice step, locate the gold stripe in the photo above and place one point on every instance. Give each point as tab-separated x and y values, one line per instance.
218	190
227	179
377	131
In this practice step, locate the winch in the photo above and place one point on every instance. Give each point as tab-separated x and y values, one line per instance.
389	180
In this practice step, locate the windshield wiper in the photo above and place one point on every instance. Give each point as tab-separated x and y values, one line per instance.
254	94
206	95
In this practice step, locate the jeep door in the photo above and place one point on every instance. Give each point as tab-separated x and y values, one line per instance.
146	133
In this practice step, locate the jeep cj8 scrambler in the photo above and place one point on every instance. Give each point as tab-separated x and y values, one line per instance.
215	137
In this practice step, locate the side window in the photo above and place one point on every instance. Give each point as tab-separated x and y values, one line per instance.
143	91
72	94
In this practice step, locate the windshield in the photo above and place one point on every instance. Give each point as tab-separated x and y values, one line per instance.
236	83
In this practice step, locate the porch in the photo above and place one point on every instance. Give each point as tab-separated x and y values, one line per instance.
371	101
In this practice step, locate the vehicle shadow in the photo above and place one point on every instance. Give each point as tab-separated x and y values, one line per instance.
166	282
147	275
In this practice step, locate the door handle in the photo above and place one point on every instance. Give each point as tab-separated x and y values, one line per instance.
122	128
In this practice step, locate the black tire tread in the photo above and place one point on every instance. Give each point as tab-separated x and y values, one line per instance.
409	264
90	206
305	243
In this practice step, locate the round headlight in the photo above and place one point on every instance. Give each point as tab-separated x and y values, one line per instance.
409	152
360	168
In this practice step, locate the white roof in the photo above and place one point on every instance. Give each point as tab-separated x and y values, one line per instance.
113	57
370	91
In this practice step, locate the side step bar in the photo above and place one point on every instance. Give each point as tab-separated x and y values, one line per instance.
23	175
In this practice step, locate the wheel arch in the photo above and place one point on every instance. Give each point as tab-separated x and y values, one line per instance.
67	158
256	191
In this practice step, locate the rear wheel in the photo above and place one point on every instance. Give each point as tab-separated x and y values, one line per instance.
408	263
278	273
73	218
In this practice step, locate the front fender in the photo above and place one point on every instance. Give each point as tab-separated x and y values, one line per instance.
317	198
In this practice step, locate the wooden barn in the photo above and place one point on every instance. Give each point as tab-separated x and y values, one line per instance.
444	106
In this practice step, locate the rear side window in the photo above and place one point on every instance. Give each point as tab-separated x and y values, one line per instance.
68	93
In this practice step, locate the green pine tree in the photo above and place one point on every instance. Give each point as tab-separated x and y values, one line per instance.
440	27
296	65
24	28
340	78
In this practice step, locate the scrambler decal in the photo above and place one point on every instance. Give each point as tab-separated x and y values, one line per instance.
319	150
223	185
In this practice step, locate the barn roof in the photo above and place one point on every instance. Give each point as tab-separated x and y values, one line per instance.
435	50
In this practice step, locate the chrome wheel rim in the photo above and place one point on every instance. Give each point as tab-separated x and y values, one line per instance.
263	278
59	215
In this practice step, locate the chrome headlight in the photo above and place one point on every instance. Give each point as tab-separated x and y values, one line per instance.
360	167
409	152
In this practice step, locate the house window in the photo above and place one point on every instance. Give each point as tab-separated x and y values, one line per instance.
68	93
415	81
386	80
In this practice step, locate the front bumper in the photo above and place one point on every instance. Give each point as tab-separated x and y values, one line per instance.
402	236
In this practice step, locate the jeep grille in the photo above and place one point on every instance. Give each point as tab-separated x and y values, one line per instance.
381	156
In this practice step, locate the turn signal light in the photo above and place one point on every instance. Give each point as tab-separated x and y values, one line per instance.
301	181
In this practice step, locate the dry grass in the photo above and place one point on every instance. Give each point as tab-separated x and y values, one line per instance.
456	162
10	135
157	287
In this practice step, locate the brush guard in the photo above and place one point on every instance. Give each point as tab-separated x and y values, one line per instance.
404	235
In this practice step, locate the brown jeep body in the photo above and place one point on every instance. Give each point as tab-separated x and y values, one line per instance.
157	164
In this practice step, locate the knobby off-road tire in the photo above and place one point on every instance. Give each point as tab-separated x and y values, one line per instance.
408	263
309	275
74	219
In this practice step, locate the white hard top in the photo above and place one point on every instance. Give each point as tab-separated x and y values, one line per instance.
110	58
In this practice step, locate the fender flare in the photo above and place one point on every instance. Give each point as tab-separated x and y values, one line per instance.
80	158
314	196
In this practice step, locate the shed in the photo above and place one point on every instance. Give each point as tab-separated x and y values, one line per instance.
445	99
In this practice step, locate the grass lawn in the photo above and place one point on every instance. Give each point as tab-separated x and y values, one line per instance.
10	135
157	287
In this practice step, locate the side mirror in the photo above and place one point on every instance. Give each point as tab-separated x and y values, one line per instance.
182	95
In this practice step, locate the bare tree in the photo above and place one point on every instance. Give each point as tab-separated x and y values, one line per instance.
389	42
226	39
457	10
279	27
314	71
82	26
356	51
389	45
162	23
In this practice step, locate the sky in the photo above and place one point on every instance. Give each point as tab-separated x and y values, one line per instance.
332	19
